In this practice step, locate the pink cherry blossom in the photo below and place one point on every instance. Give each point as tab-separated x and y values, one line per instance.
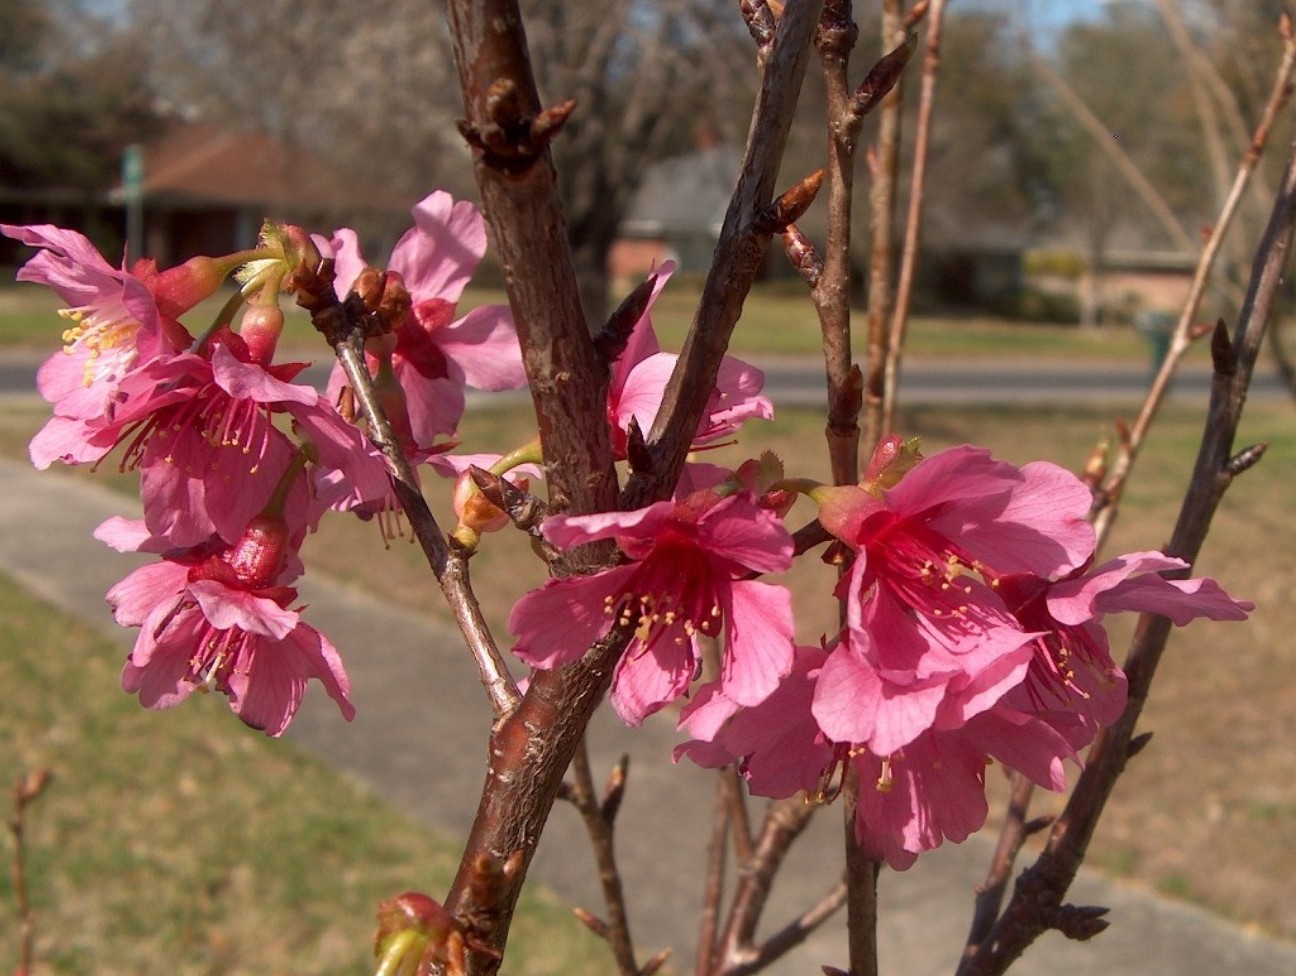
910	800
1073	682
116	321
437	355
687	574
640	374
201	430
217	617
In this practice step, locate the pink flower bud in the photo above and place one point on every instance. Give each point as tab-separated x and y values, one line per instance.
177	290
258	557
260	328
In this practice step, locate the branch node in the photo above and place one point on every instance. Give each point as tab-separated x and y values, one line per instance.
637	452
655	963
802	254
1223	355
1080	923
837	31
550	121
882	77
512	139
1246	458
1036	824
1137	744
592	922
760	22
789	206
614	790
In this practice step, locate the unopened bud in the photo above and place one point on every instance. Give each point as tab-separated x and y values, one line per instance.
475	510
414	931
258	557
260	328
177	290
893	458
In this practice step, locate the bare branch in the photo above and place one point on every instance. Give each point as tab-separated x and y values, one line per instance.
913	222
784	822
1036	904
737	259
599	828
344	324
882	201
797	931
1107	501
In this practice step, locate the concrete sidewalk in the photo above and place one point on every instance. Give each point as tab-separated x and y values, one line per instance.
418	740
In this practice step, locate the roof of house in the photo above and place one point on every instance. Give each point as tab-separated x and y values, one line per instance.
200	165
685	194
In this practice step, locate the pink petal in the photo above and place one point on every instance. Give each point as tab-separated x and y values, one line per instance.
226	609
759	645
438	255
649	678
145	590
485	345
741	531
557	623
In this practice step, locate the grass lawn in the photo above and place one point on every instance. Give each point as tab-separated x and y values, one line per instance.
1207	812
185	844
777	321
1219	776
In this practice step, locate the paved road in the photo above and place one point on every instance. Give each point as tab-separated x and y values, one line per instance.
800	381
417	741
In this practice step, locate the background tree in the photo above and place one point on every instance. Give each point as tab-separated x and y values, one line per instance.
73	94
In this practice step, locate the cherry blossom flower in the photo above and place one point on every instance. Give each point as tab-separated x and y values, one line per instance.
911	799
640	374
930	641
686	576
1073	682
217	617
437	355
119	319
201	430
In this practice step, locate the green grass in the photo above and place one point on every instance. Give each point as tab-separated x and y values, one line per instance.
183	843
776	321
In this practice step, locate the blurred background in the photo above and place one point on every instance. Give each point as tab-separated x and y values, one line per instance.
1080	148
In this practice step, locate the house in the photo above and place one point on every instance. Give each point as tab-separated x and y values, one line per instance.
207	190
676	214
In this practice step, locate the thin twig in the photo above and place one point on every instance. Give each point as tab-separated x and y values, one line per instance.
737	260
343	323
599	826
1013	834
1036	904
795	932
25	792
885	164
713	885
832	291
1107	503
784	822
913	220
1108	497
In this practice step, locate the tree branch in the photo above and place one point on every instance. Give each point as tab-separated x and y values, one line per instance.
343	324
600	820
1036	904
737	259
